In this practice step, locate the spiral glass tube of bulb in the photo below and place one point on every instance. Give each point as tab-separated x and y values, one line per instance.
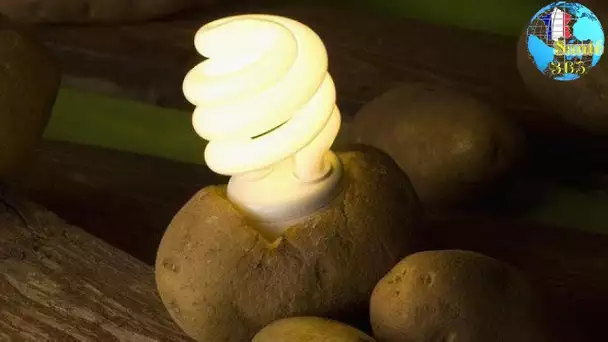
266	102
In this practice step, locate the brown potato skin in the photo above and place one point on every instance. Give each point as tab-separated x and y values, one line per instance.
582	104
455	296
451	145
29	82
310	329
221	281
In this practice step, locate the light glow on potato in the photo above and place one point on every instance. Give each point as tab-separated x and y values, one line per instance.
266	102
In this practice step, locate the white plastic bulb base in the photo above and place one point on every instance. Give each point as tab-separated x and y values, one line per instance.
277	199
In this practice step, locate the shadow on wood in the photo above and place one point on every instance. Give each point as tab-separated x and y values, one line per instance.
126	199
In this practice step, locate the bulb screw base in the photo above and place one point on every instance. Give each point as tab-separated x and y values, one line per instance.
280	199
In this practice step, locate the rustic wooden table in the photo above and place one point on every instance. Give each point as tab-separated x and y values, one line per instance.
128	200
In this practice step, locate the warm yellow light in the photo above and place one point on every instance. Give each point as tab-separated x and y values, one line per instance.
266	103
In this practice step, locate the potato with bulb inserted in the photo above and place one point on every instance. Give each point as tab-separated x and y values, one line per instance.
221	281
310	329
452	145
456	296
29	83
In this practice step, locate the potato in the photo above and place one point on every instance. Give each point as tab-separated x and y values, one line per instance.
221	281
29	82
310	329
93	11
582	104
451	145
455	296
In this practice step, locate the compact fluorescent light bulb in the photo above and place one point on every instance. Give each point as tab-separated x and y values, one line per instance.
266	103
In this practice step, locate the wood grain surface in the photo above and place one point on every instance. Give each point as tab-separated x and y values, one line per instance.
58	283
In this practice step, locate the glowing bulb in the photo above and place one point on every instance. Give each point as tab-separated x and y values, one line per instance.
266	103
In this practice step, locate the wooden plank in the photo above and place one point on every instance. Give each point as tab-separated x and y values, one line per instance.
58	283
128	200
368	53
